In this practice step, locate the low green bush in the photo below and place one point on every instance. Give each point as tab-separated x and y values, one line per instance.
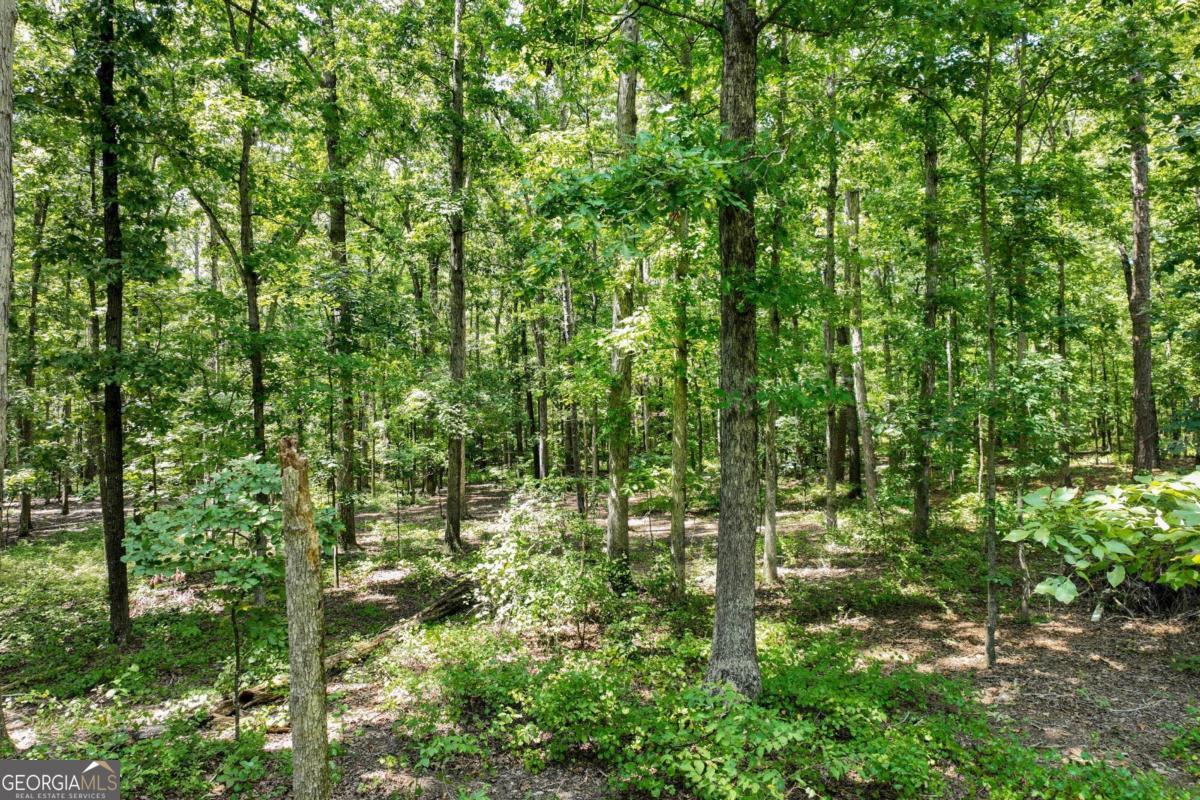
1149	529
825	726
534	571
178	764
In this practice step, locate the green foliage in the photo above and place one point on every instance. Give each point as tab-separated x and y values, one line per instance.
1185	745
216	529
531	572
1149	530
179	762
52	636
825	726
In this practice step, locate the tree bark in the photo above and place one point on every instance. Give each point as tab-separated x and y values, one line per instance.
620	420
573	465
870	478
923	441
679	368
734	658
543	401
113	495
344	317
989	442
828	327
306	629
770	562
1145	415
25	418
8	23
456	448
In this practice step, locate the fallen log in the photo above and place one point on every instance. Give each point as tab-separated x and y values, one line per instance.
458	598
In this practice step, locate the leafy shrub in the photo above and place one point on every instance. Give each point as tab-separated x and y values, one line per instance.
528	575
178	763
213	529
1149	529
824	727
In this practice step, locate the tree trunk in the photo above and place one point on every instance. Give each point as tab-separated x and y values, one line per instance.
64	475
458	335
573	465
923	441
770	563
543	402
248	266
620	420
1017	256
25	418
679	369
828	327
8	23
113	496
870	478
344	316
989	440
306	629
734	658
1145	416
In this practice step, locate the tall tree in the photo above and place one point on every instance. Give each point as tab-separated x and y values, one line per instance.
734	657
1137	272
679	366
28	368
113	494
923	441
8	24
343	335
456	477
833	438
866	434
620	420
770	567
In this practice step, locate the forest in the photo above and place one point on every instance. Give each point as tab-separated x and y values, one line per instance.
582	399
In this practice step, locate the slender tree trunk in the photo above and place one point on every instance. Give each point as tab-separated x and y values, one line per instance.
8	23
25	417
64	479
306	628
574	467
1015	250
870	477
344	316
114	433
734	658
455	499
989	442
543	401
1145	416
95	425
679	393
770	565
828	328
923	441
619	417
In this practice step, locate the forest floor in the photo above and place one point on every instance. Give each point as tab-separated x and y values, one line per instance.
1119	689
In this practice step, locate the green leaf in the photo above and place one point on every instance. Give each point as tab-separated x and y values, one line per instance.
1116	575
1115	546
1066	591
